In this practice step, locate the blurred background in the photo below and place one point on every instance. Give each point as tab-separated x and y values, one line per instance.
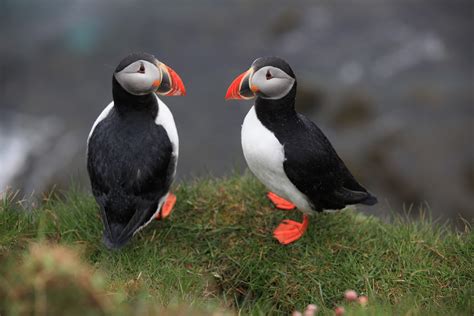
390	82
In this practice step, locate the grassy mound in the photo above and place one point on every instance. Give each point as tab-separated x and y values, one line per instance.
216	252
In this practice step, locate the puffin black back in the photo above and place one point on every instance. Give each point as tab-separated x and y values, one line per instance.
288	152
133	151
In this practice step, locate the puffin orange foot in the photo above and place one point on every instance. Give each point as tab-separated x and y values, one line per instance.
289	231
280	202
167	206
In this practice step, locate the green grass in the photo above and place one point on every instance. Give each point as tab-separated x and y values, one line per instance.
216	251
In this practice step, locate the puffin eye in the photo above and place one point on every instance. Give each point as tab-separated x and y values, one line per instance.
268	75
142	69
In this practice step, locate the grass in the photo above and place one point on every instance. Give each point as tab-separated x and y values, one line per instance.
216	252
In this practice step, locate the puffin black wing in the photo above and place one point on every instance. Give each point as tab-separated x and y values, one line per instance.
131	167
314	167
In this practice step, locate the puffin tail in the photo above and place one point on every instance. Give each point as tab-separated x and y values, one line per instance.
113	229
112	238
120	233
369	200
355	197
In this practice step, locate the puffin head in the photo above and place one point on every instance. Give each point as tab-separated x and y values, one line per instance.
142	73
267	78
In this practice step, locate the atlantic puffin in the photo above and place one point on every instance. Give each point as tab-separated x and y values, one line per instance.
288	152
132	148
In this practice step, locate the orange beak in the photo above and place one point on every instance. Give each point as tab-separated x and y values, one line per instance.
240	89
171	83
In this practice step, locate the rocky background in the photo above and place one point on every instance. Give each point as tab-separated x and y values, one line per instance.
389	81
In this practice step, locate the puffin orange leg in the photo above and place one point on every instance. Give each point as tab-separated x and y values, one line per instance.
167	206
280	202
289	231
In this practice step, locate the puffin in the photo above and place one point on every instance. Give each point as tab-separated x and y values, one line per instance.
133	147
287	152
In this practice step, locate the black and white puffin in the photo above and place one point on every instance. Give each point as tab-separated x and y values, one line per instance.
288	152
132	149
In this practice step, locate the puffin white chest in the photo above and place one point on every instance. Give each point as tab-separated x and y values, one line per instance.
265	156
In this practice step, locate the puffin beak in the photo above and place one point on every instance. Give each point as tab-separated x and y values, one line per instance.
240	88
171	83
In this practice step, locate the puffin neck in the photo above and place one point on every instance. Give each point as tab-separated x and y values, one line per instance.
276	110
126	102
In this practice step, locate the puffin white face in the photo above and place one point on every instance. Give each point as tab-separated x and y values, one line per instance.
267	78
140	77
271	83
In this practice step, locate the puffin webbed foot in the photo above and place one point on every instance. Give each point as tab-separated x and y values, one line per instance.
280	202
289	231
167	207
